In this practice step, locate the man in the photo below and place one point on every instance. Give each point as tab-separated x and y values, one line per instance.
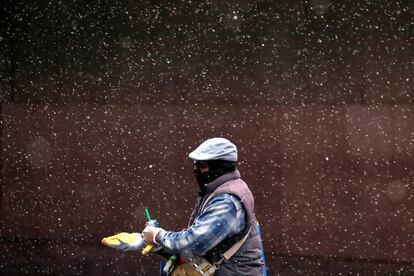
223	215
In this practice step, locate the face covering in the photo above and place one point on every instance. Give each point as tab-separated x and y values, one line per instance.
202	178
216	169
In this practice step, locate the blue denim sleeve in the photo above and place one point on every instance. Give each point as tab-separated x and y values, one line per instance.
223	217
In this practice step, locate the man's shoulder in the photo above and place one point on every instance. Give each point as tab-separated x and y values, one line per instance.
227	198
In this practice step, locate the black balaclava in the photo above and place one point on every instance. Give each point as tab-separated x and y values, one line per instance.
216	169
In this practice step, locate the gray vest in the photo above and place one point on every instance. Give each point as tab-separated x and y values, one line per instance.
247	260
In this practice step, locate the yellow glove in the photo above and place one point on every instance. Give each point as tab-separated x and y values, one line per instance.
125	241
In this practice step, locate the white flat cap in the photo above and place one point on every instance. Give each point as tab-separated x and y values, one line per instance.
215	149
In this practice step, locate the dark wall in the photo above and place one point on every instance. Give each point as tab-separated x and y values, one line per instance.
339	187
102	102
288	52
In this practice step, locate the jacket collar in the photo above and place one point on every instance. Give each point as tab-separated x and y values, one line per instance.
210	187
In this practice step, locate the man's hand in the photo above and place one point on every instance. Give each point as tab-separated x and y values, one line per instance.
125	241
150	234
